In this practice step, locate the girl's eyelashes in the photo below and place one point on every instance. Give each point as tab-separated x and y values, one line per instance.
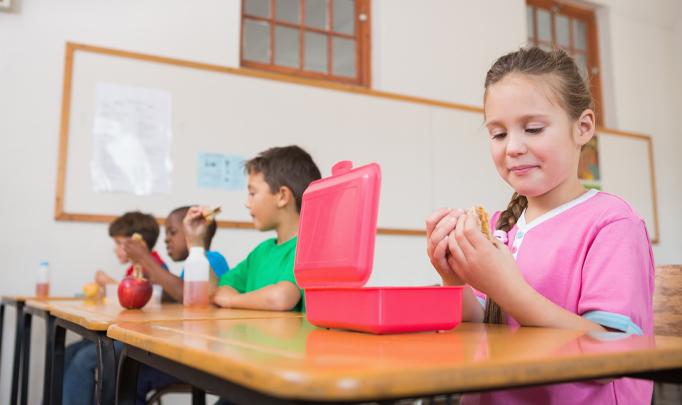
502	135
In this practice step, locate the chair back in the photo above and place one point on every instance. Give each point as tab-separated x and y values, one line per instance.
668	300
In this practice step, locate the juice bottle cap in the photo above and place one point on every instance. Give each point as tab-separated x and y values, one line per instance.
44	263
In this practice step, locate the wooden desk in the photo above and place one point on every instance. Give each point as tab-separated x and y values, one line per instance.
288	360
18	301
92	319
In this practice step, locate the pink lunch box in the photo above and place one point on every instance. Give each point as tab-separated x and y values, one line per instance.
334	256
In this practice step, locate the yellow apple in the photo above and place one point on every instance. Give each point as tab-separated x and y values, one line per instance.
90	290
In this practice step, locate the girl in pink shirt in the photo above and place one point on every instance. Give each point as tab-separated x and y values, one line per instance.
570	258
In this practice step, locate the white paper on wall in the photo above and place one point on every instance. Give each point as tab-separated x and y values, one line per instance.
132	140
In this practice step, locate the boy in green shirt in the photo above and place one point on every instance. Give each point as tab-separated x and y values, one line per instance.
265	280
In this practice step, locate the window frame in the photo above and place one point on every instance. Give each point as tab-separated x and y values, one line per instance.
362	39
590	19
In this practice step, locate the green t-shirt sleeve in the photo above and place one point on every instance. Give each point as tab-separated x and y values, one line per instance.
236	278
287	274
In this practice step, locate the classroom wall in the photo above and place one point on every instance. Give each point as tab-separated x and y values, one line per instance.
437	49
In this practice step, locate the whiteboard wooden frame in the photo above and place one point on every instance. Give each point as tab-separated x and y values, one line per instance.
71	48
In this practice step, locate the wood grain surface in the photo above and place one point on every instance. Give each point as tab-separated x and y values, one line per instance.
99	316
23	298
48	304
289	358
668	301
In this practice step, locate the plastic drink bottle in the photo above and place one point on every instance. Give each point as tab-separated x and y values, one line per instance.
195	292
43	280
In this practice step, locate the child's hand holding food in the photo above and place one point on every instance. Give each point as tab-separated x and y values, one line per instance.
438	226
488	267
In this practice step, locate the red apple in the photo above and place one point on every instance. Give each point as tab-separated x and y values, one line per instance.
134	292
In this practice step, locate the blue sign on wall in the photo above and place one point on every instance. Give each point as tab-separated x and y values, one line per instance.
215	170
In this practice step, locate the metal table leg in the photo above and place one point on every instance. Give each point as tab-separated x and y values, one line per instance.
49	341
126	383
18	339
57	375
129	364
49	329
26	358
106	362
2	324
198	396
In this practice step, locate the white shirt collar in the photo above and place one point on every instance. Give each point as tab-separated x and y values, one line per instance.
521	223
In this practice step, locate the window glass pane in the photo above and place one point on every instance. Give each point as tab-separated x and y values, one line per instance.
344	16
287	43
529	21
287	10
256	41
582	64
579	35
562	33
316	14
343	56
544	25
316	52
259	8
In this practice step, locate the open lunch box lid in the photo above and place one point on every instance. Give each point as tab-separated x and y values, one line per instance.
338	225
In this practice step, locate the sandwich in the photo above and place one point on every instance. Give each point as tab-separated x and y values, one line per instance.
210	213
483	222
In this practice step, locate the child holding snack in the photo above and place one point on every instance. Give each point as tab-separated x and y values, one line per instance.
570	257
176	247
265	280
121	230
150	378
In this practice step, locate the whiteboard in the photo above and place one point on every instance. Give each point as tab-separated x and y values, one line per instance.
431	154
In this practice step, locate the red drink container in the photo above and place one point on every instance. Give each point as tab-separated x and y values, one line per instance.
195	294
43	280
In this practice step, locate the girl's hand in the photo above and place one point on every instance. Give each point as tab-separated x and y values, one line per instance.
438	226
489	268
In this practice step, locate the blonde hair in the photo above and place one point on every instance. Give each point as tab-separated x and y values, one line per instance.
559	73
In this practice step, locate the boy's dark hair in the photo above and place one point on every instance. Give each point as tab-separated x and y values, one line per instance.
210	231
136	222
288	166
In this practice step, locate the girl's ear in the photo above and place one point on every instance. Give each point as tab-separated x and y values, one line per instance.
285	197
585	127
